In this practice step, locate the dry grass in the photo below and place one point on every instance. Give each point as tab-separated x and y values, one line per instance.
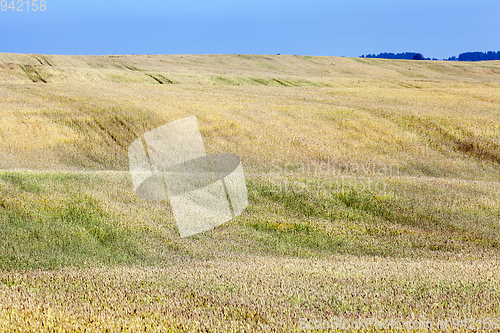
338	108
80	252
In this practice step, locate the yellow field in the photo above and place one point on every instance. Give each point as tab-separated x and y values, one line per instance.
79	251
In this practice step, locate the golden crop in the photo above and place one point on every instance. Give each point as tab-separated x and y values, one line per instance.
80	252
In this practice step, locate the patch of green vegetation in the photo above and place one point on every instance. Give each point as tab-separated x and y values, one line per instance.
160	79
48	63
259	81
362	221
50	220
118	79
38	233
282	82
334	201
41	60
301	240
268	66
26	183
167	80
32	73
312	84
41	227
93	64
53	219
225	81
132	68
41	63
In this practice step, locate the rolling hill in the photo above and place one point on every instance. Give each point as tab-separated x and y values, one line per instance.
373	186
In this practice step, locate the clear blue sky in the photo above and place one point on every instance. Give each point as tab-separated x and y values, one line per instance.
314	27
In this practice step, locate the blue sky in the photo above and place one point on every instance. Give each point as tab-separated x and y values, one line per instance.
315	27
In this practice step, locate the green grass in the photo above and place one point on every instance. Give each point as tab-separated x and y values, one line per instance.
320	217
277	82
131	67
160	79
32	73
261	81
45	229
225	81
50	220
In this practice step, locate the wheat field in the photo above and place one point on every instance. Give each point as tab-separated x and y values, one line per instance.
373	187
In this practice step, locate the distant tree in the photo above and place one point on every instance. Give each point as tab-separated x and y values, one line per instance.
389	55
418	56
479	56
468	56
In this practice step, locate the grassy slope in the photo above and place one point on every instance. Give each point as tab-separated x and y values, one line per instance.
437	123
431	118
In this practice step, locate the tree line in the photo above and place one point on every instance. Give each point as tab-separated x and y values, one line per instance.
477	56
404	55
467	56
